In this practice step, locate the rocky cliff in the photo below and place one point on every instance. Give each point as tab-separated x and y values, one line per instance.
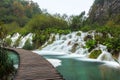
103	11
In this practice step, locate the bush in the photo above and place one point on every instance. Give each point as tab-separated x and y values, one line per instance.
113	44
8	42
28	45
17	42
90	44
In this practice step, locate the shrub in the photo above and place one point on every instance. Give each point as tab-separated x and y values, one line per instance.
113	44
8	41
90	44
17	42
28	45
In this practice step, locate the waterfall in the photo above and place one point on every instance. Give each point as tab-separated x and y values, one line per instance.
73	44
22	39
14	38
70	43
105	56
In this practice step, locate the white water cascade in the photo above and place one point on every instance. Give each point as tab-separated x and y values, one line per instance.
14	38
69	44
22	39
73	45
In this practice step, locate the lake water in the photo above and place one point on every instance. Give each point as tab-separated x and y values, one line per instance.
80	69
14	56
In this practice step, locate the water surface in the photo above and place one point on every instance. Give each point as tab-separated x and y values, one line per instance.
78	69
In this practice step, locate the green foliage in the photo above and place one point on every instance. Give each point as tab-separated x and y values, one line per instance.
28	45
8	42
3	32
17	42
113	44
85	28
42	22
12	27
77	22
90	44
6	65
95	53
39	39
78	34
19	11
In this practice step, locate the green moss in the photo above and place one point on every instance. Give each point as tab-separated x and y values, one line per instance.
95	53
78	34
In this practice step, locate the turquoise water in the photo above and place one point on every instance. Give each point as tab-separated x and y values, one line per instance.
14	57
74	69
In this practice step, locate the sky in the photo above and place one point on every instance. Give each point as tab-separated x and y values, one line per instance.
69	7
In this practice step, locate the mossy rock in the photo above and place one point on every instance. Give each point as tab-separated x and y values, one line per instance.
95	53
88	37
74	47
78	34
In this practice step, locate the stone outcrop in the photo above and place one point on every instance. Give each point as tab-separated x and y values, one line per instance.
104	10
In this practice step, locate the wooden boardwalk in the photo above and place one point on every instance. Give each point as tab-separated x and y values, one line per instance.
34	67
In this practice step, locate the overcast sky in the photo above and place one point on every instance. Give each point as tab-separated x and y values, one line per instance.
69	7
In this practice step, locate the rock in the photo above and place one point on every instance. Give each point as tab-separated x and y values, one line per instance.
88	37
95	53
104	10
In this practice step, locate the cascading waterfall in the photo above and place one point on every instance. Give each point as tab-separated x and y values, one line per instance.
71	43
22	40
14	38
74	44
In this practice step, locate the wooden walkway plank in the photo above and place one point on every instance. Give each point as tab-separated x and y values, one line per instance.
34	67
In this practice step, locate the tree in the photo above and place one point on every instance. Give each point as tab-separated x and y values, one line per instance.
77	21
19	11
43	21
